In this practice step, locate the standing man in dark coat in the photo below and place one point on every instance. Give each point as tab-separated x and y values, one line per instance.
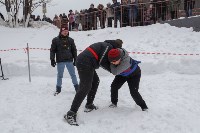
65	50
117	12
93	57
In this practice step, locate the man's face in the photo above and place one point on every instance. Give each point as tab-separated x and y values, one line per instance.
114	1
64	32
116	62
91	6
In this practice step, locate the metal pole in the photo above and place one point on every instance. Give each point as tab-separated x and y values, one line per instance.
2	72
28	63
121	16
1	69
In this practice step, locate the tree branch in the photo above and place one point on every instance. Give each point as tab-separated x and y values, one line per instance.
2	2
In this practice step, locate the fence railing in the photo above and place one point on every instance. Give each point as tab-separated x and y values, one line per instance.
140	14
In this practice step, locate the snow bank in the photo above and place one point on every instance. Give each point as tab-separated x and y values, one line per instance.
169	83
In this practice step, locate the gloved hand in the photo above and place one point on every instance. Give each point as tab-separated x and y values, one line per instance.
53	63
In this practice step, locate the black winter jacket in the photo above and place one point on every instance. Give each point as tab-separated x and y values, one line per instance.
101	49
64	48
189	4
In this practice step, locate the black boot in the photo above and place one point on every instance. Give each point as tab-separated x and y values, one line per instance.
71	118
113	105
144	107
76	87
90	107
58	90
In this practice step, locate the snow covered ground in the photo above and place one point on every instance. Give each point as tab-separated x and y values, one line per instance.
169	83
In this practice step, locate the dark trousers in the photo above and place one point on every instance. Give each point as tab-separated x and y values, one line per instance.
71	26
89	82
133	83
117	17
172	14
110	21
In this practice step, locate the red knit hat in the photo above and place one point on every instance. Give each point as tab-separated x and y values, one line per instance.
63	28
114	55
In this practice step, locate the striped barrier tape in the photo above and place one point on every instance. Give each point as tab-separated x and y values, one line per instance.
141	53
14	49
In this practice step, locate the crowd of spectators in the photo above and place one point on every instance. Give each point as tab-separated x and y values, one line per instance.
121	14
124	13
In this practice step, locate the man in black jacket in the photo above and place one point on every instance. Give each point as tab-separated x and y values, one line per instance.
93	57
65	50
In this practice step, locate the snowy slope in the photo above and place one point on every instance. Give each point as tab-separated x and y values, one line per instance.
169	83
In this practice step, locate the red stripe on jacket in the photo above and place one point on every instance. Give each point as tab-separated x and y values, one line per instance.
93	52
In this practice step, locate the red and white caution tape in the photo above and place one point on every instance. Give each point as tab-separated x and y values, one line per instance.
140	53
13	49
158	53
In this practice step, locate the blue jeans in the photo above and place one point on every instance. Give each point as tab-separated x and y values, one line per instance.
188	12
133	13
71	70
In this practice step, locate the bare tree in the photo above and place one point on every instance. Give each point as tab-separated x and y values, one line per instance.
27	4
30	6
13	7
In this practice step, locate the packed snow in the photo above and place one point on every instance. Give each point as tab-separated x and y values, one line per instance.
169	83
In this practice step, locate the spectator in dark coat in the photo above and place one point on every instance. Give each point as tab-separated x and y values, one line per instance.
154	6
93	57
188	6
126	70
125	13
65	50
117	12
92	17
64	20
162	9
173	8
133	12
101	15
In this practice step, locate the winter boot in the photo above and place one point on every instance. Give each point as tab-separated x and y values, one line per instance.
76	87
71	118
113	105
144	107
58	90
90	107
